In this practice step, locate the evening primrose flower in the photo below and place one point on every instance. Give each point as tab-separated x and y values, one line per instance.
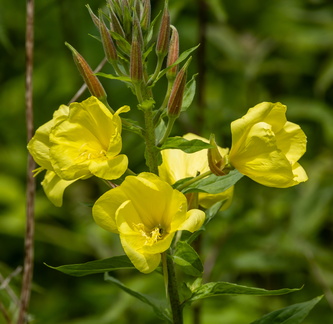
80	141
266	147
146	212
178	165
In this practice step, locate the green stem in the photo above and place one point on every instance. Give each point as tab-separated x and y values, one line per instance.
171	121
189	182
151	150
172	290
160	59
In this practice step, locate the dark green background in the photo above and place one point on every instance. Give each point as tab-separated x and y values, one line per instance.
252	51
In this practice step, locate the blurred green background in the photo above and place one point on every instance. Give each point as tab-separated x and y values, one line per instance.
251	51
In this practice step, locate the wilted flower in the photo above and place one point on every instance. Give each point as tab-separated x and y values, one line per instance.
178	165
146	212
266	147
80	141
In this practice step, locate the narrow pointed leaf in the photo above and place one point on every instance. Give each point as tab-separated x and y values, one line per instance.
97	266
113	77
186	257
158	307
293	314
213	289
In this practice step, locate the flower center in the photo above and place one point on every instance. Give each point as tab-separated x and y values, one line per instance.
88	153
152	236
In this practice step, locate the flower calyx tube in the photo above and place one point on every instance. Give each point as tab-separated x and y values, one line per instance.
216	161
107	42
163	38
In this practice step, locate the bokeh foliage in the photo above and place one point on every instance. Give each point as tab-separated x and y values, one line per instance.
252	51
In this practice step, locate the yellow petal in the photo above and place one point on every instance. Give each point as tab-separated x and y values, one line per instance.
144	262
194	220
259	158
110	169
299	173
105	208
150	197
291	140
208	200
54	187
89	134
39	145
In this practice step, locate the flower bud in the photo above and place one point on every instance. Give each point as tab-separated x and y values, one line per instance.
115	24
177	91
146	15
136	70
94	18
92	82
137	29
173	53
163	38
216	161
108	45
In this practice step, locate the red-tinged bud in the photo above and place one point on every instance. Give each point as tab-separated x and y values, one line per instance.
173	53
136	69
108	45
163	38
137	29
92	82
94	18
177	92
216	161
146	15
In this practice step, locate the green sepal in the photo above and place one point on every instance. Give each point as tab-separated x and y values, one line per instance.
187	146
97	266
293	314
188	259
159	308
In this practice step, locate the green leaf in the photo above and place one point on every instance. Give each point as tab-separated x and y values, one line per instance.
158	306
113	77
187	258
213	184
185	145
189	93
122	43
213	289
97	266
293	314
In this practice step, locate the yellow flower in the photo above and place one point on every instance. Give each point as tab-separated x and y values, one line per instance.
266	147
146	212
178	165
80	141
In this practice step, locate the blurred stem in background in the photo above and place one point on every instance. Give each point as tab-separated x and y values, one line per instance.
30	189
